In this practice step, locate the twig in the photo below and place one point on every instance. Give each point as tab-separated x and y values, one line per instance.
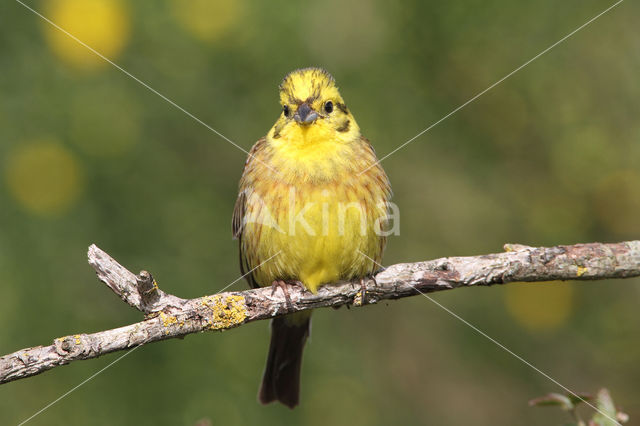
168	316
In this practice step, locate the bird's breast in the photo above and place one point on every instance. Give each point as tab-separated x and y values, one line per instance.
319	232
313	213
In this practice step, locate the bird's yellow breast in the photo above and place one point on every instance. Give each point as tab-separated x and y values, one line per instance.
309	210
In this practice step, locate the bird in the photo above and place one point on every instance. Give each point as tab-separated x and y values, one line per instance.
312	210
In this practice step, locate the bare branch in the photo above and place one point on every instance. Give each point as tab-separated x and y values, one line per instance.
168	316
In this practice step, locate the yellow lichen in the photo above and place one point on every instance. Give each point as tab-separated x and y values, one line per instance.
167	320
227	311
77	337
357	300
581	271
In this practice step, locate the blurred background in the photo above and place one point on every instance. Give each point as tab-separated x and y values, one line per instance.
88	155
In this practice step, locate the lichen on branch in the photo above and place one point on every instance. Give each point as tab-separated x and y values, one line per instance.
168	316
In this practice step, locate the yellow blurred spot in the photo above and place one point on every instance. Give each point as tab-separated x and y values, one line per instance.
618	202
101	24
539	306
208	20
43	177
581	270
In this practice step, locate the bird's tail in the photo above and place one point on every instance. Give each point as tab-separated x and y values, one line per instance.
281	379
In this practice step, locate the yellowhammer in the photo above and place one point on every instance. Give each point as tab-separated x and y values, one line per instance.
306	213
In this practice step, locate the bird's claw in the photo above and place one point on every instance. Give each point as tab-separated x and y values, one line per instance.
284	286
363	287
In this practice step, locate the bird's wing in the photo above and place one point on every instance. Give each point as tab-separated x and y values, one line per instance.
239	210
237	223
381	180
240	207
238	216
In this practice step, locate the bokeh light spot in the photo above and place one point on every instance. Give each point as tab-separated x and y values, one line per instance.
208	20
44	177
540	306
101	24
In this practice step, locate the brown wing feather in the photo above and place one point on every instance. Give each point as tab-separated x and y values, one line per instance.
239	210
383	182
238	216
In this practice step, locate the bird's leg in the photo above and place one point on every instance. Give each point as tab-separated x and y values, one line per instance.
363	287
284	286
280	284
373	278
352	286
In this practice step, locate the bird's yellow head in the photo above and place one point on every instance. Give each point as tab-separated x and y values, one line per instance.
312	110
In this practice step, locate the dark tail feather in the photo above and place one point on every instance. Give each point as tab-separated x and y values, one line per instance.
281	379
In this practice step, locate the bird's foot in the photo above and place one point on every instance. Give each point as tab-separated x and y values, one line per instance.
363	287
284	286
279	284
363	291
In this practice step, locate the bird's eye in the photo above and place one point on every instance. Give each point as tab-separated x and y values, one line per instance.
328	106
285	110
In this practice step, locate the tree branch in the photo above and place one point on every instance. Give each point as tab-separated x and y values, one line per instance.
168	316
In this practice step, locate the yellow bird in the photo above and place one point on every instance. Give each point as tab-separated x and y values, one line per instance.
311	210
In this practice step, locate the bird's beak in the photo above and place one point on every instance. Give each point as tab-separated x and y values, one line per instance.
305	115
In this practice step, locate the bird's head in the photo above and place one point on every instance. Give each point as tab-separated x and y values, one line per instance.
312	109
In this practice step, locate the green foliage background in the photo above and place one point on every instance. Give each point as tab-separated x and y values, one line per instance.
550	156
